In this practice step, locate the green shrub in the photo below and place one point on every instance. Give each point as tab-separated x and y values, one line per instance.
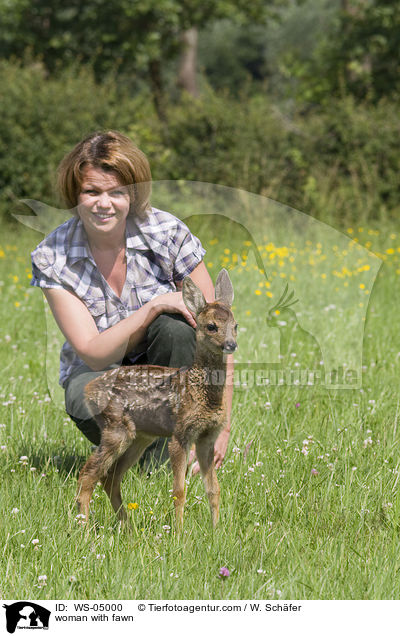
41	118
337	162
218	139
352	155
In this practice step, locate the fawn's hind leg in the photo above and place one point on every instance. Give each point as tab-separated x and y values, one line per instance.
114	442
179	460
112	481
205	456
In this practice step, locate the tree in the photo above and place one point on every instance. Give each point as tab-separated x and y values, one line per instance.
361	56
137	37
369	50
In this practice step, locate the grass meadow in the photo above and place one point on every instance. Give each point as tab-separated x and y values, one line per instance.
310	501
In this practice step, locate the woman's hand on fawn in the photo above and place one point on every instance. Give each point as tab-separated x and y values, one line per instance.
172	303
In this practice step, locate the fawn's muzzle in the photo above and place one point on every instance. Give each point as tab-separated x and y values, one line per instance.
229	346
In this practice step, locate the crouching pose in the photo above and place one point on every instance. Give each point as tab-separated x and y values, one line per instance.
112	274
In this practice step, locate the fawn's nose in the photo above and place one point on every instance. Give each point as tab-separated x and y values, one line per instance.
229	346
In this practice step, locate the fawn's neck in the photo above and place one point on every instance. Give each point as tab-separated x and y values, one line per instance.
212	369
204	359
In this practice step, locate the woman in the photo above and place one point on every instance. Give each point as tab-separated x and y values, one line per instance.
112	273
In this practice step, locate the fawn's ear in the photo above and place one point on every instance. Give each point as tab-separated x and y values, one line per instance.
223	288
192	296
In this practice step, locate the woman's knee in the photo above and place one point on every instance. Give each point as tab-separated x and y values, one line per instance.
75	403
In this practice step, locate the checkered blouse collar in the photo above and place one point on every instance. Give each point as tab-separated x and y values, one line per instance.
141	234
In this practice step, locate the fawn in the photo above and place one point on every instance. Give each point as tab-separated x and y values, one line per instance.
135	405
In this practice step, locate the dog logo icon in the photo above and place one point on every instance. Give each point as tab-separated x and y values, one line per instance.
26	615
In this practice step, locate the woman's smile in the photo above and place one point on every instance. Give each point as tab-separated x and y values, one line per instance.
102	216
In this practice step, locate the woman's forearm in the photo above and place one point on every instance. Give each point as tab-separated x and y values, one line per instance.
113	344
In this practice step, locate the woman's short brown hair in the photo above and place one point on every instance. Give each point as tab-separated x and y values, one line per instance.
108	150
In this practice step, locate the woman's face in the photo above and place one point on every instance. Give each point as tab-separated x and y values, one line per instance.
103	202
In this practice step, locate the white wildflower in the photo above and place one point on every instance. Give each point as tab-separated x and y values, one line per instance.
367	442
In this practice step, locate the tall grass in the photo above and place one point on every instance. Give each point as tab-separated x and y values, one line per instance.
310	495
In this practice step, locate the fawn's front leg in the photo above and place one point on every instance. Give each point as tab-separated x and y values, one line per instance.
205	457
179	459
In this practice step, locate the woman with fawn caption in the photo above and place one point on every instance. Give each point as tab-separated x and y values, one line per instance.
112	273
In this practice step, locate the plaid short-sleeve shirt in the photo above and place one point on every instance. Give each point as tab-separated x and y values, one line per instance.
160	251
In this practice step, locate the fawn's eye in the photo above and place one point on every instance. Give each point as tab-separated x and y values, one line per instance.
236	327
212	326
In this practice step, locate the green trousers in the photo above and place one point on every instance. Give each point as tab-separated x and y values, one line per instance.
170	342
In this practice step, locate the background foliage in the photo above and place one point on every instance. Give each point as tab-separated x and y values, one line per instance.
296	101
337	162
